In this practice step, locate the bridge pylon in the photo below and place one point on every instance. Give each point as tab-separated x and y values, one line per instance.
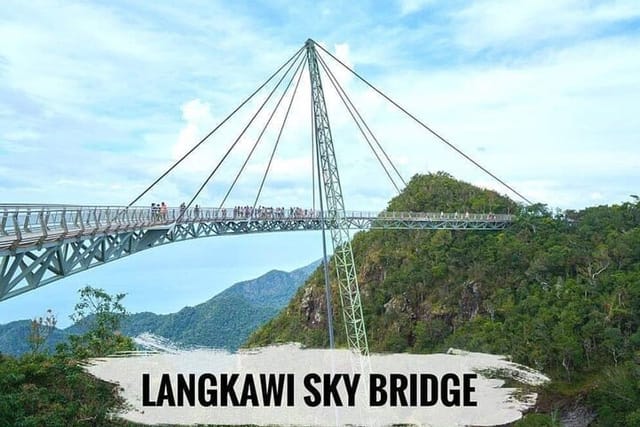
335	213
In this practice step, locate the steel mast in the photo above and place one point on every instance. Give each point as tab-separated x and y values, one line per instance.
335	213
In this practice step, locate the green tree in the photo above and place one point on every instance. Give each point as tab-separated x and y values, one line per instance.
100	315
41	329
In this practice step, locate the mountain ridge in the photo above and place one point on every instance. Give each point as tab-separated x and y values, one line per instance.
235	312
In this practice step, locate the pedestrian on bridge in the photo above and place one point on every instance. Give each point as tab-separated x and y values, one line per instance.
155	211
164	210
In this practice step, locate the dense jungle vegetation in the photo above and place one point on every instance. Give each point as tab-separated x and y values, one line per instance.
558	291
52	389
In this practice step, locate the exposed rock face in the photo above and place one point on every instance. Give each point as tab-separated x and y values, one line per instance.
311	306
398	304
471	299
578	416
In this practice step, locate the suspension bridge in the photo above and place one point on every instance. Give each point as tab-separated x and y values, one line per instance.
40	244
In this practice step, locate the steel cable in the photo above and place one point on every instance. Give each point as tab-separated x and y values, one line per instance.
264	128
206	181
338	90
275	147
216	128
434	133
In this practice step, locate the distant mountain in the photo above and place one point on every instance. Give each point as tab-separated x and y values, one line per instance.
224	321
14	337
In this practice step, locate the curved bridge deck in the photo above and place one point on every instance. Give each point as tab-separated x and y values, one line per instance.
43	243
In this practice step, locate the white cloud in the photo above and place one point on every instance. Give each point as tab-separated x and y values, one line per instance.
495	23
22	135
410	6
283	168
198	123
537	118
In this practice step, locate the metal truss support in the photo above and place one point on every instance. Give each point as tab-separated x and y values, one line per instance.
335	213
38	266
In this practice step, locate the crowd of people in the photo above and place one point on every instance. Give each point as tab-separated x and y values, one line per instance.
264	212
160	212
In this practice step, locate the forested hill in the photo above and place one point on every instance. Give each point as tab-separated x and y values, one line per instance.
557	292
226	320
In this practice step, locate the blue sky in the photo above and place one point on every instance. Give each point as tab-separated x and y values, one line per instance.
98	98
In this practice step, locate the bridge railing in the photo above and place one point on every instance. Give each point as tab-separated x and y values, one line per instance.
446	216
21	220
42	220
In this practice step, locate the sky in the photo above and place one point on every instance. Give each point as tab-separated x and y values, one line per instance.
97	99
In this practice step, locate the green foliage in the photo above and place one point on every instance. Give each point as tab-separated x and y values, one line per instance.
558	292
538	420
54	390
617	396
44	390
440	192
100	314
